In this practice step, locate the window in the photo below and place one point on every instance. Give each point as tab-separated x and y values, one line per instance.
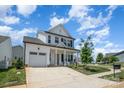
70	58
42	54
61	39
49	39
33	53
62	57
64	41
69	43
56	40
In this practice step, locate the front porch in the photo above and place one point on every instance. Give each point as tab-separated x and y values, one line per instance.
62	57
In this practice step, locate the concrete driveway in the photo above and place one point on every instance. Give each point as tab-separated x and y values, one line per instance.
63	77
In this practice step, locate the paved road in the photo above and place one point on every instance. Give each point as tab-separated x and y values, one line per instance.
62	77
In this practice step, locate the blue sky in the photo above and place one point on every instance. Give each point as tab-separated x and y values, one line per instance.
106	23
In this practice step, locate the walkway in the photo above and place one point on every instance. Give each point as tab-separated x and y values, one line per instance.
104	73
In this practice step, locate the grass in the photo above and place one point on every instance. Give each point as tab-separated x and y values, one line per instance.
89	69
12	76
118	76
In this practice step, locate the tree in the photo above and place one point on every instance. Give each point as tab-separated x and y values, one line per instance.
113	59
86	50
99	57
105	59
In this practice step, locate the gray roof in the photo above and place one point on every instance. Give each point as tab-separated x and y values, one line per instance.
32	40
17	46
110	54
119	53
62	26
3	38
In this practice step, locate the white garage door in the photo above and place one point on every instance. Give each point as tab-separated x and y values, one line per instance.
37	59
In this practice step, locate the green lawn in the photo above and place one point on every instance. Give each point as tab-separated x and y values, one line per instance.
12	76
118	76
89	69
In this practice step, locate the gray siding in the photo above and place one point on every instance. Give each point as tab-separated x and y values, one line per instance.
17	52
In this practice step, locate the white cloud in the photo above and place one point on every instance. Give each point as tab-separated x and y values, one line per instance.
10	20
76	43
79	11
16	35
109	45
100	35
86	21
4	9
26	10
55	21
75	12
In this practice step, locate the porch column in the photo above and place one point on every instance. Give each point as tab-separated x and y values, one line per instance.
72	57
65	57
77	57
55	56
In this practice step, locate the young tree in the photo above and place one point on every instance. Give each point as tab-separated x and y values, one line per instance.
86	50
99	57
105	59
113	59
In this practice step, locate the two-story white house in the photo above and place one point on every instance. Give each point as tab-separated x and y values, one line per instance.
50	48
5	52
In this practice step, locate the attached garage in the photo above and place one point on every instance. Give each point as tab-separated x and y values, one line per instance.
37	59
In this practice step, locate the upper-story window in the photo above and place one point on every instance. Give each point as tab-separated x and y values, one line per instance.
70	43
49	39
64	41
56	40
61	39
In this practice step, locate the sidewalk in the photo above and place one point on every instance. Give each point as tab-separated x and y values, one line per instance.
104	73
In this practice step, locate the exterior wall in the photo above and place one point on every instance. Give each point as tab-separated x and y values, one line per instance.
34	48
6	53
17	52
121	57
42	36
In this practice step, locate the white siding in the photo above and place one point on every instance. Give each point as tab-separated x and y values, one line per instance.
6	50
34	48
60	30
42	36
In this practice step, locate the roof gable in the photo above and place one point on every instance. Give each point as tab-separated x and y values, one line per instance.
59	29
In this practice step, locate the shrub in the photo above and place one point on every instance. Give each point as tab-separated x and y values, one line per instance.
14	61
95	68
19	64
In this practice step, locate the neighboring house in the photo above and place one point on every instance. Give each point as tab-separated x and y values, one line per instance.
5	52
54	47
17	52
119	55
109	54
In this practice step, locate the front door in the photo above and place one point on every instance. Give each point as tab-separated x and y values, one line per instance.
62	58
57	59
